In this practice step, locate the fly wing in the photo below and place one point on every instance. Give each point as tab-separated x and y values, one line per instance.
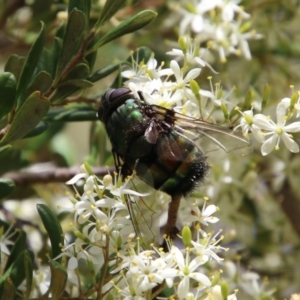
209	137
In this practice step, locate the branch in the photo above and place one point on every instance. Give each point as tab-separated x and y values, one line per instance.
53	175
290	205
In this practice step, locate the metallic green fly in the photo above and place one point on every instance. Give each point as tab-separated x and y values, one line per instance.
161	145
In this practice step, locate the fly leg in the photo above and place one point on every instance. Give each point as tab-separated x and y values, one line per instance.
170	229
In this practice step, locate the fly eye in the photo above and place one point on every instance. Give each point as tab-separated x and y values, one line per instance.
117	93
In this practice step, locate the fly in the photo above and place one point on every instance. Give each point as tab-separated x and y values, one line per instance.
160	145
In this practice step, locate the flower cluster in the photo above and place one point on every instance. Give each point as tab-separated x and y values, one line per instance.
106	240
223	24
176	88
270	133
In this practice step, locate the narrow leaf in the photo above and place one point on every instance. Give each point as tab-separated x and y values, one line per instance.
59	278
80	71
83	5
72	40
27	117
78	83
28	274
53	229
134	23
41	83
72	115
15	65
8	92
30	64
4	148
63	92
104	72
39	129
109	10
19	245
16	273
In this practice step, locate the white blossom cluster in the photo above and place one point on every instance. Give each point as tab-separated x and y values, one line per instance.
222	24
105	239
176	88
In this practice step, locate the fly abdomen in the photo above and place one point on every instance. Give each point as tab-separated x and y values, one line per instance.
175	166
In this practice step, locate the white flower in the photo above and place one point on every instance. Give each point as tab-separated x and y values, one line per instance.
218	22
295	107
182	79
192	52
194	17
141	72
204	216
246	123
89	206
230	8
186	270
239	40
277	131
144	272
80	250
206	247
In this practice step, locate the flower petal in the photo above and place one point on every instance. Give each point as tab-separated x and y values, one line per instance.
281	111
290	143
269	145
200	278
263	122
293	127
76	178
183	287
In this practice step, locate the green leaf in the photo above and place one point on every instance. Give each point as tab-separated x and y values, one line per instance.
7	93
53	229
30	65
27	117
80	71
82	5
59	278
72	40
28	274
41	82
82	83
77	77
15	65
91	59
109	10
104	72
19	246
55	52
61	31
4	148
39	129
134	23
7	186
62	92
49	58
72	115
17	272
